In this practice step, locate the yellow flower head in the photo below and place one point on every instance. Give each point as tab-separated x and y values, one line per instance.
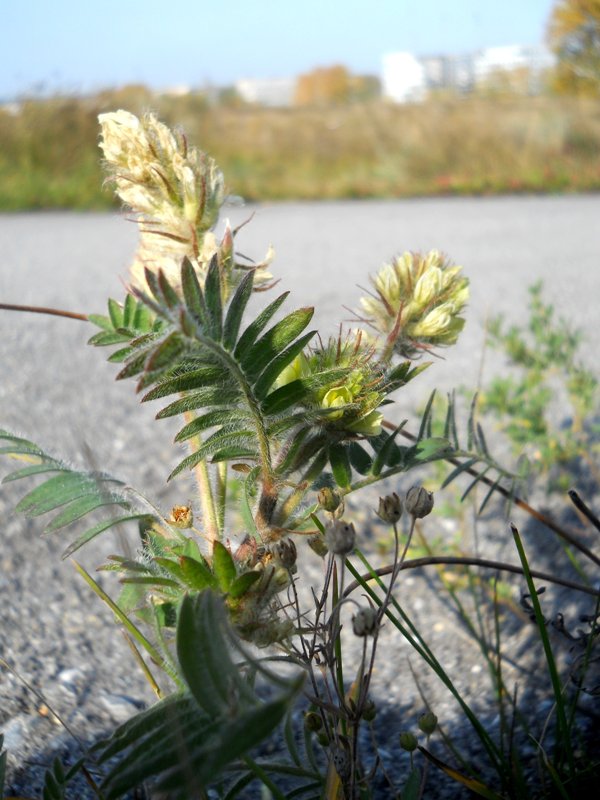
176	192
417	303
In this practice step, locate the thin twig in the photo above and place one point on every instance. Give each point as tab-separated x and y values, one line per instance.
547	521
55	312
470	562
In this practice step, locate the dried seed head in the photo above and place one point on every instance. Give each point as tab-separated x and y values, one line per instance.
390	508
408	741
364	622
419	502
285	553
340	537
428	722
329	499
181	517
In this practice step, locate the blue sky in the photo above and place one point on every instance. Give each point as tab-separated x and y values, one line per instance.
75	46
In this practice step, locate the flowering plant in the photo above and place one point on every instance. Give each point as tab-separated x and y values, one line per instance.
282	428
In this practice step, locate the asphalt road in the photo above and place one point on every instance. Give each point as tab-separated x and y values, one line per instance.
60	393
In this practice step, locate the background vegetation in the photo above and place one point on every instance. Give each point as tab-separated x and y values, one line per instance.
480	144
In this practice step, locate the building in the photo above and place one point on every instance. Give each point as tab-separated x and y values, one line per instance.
267	91
403	78
409	78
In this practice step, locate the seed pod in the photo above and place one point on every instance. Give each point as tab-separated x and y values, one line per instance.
284	552
408	741
329	499
313	721
390	508
340	537
364	622
369	711
419	502
428	722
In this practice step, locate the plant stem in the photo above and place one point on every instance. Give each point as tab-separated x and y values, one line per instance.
470	562
55	312
207	502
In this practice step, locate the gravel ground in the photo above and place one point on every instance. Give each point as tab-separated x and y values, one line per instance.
59	393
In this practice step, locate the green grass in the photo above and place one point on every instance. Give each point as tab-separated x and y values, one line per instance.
49	156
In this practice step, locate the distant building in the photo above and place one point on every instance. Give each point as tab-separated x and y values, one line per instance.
403	78
267	91
530	60
408	78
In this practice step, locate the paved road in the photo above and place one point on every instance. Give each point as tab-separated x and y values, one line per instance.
61	393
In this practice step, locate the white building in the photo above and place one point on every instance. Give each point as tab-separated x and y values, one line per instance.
407	78
267	91
403	78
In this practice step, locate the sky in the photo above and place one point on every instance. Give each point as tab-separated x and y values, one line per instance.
49	46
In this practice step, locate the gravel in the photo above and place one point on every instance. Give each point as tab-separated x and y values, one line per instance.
58	637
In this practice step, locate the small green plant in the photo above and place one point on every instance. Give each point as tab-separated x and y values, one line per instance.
282	427
548	404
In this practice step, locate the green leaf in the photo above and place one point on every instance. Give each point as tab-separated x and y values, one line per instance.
203	654
235	311
234	418
212	296
386	451
91	533
223	566
251	333
80	507
272	371
62	489
359	458
196	573
425	427
116	314
430	449
203	398
186	381
192	293
218	441
241	584
35	469
275	340
466	465
340	465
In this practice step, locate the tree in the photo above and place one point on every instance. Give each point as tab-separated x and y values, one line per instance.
574	35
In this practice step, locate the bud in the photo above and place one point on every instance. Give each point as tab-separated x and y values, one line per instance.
408	741
181	517
318	545
364	622
419	502
313	721
428	722
323	739
340	537
369	711
390	508
329	499
284	552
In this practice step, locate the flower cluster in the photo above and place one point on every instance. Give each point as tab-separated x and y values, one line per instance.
176	191
349	404
417	303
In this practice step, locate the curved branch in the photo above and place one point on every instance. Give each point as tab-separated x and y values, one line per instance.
468	561
547	521
55	312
